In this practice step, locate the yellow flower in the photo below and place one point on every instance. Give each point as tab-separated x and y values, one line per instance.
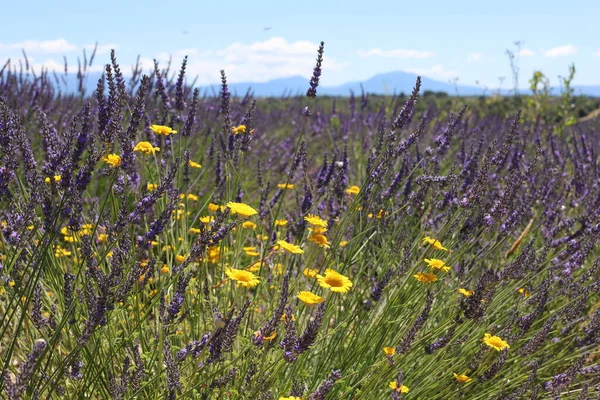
462	378
315	220
151	187
113	160
255	266
60	252
389	351
189	196
285	186
239	129
207	219
436	244
334	281
309	298
194	230
57	178
425	277
162	130
243	278
465	292
402	389
290	398
281	222
319	239
310	273
353	190
267	337
248	225
343	243
495	342
290	247
241	209
252	253
145	148
164	270
11	283
213	207
525	292
193	164
179	259
434	263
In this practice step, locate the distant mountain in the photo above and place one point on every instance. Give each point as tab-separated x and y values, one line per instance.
386	83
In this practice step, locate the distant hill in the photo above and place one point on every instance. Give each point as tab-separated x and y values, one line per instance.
386	83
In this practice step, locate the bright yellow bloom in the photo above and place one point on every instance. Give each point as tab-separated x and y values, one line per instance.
436	244
165	269
11	283
255	266
466	292
162	130
113	160
207	219
315	220
495	342
425	277
179	259
243	278
389	351
462	378
145	148
281	222
319	239
189	196
194	231
241	209
402	389
434	263
193	164
292	248
57	178
151	187
60	252
271	336
309	298
525	292
213	207
252	253
310	273
343	243
290	398
285	185
248	225
353	190
334	281
238	129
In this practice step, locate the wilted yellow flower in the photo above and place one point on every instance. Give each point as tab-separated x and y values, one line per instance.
309	298
315	220
285	185
292	248
353	190
57	178
462	378
310	273
401	389
434	263
425	277
193	164
241	209
465	292
162	130
334	281
495	342
248	225
238	129
113	160
389	351
146	148
281	222
436	244
243	278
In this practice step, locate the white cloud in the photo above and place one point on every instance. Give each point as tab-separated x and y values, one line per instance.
43	46
474	56
561	51
526	53
250	62
436	72
597	54
395	53
101	49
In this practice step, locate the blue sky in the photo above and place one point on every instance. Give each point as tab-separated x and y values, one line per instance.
439	39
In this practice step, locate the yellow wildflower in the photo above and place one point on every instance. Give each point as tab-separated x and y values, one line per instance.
319	239
179	259
193	164
285	185
151	187
57	178
436	244
162	130
290	247
248	225
146	148
524	291
425	277
389	351
310	273
434	263
281	222
495	342
309	298
334	281
465	292
462	378
243	278
353	190
241	209
194	230
113	160
401	389
315	220
165	269
238	129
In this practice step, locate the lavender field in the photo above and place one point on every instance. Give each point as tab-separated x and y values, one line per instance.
159	242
